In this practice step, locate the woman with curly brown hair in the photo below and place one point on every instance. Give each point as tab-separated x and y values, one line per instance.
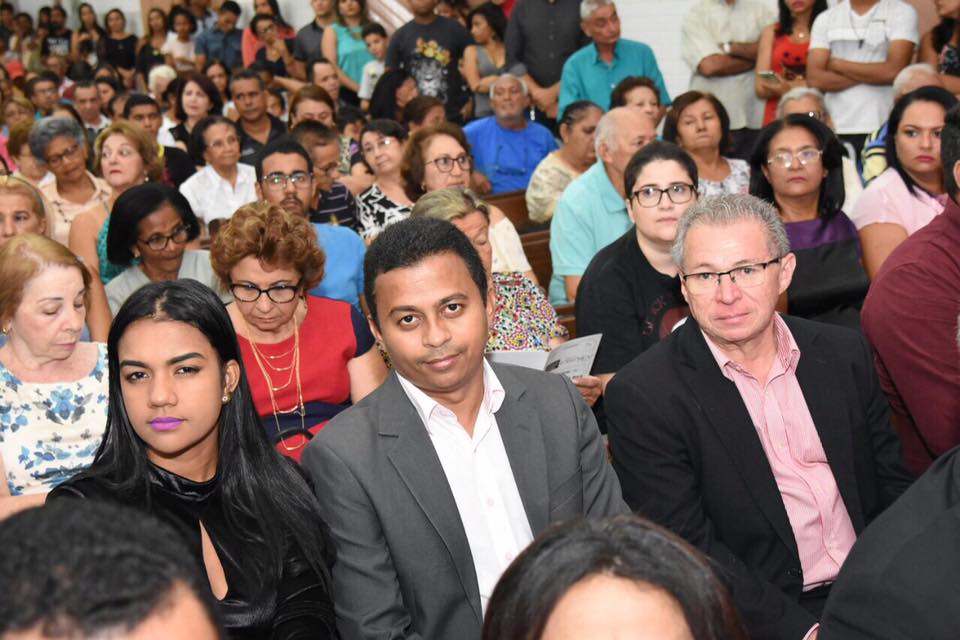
308	358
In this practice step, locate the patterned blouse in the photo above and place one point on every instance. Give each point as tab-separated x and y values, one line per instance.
50	431
523	319
546	186
737	182
376	211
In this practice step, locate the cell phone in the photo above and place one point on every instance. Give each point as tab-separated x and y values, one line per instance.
769	76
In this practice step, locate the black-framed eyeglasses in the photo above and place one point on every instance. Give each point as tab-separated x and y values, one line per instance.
279	180
804	157
69	152
745	276
444	164
279	293
159	242
650	196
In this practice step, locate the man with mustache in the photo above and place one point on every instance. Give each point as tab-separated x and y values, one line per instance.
433	483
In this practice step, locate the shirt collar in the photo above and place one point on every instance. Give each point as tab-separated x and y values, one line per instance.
101	190
788	353
616	52
493	395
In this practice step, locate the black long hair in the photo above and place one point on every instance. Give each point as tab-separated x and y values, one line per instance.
265	498
832	193
625	547
383	100
937	95
785	24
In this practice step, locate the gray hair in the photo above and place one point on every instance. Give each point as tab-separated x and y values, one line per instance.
799	93
728	209
587	7
509	76
606	131
47	129
449	204
159	72
908	73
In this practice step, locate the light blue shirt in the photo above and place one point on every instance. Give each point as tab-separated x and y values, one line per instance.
508	157
586	77
589	216
343	267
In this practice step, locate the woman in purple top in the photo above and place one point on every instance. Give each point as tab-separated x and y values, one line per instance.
796	165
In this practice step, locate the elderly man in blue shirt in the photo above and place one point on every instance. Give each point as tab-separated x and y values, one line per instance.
592	72
506	146
592	212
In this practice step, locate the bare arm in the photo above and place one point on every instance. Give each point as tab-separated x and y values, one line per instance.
9	504
469	69
367	372
328	46
719	64
745	50
926	52
98	313
571	283
770	88
290	84
820	77
898	56
878	241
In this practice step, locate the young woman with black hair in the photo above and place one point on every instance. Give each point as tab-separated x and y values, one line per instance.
184	443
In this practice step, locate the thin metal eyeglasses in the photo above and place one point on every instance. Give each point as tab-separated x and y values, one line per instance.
444	164
278	293
650	196
786	158
159	242
278	180
745	276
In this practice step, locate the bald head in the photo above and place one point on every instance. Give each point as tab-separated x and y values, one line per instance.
622	132
913	77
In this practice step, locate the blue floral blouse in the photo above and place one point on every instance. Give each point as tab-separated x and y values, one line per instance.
50	431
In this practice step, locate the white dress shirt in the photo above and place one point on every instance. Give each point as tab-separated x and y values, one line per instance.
480	478
212	197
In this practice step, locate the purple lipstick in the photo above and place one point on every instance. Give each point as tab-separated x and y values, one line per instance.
165	423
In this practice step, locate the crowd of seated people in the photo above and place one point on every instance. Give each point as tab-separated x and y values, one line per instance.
257	280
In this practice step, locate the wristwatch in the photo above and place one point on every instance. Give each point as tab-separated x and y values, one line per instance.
725	47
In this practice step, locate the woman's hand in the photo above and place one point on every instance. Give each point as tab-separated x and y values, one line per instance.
590	388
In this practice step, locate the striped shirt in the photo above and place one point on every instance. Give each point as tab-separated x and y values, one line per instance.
337	206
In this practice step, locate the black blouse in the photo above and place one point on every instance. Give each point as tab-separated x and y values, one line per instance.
299	607
121	53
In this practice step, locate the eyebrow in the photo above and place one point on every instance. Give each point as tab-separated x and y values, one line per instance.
413	308
174	360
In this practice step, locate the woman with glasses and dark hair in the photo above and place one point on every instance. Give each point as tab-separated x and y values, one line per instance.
308	357
796	165
150	226
382	143
61	144
183	443
630	292
617	577
439	157
699	124
911	192
578	128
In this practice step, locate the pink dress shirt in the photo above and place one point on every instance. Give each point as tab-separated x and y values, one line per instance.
815	509
887	199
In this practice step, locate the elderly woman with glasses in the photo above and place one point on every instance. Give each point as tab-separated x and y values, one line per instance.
150	225
307	357
61	144
439	157
796	166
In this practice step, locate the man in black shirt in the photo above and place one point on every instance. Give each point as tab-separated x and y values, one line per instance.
57	41
429	48
630	292
144	111
306	48
541	35
258	128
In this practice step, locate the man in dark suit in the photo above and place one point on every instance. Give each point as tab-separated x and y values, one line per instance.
435	481
764	440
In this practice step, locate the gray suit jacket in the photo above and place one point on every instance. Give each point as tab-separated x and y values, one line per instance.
404	568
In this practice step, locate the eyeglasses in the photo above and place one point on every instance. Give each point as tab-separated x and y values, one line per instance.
159	242
278	180
749	275
444	164
651	196
786	158
57	160
382	143
279	293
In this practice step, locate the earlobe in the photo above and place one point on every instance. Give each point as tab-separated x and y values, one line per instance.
231	377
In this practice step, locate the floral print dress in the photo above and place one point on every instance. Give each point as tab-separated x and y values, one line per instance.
523	319
50	431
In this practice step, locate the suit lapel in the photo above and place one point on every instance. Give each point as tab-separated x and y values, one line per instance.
415	459
725	410
522	435
820	389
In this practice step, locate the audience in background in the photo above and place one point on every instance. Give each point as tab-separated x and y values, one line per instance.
197	98
249	43
640	92
423	111
29	168
344	47
578	128
382	143
179	50
393	92
21	209
486	60
222	41
56	383
938	47
592	211
257	127
333	202
149	54
307	46
145	112
119	47
376	39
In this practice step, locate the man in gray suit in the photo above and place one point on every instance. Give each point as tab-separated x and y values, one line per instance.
434	482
